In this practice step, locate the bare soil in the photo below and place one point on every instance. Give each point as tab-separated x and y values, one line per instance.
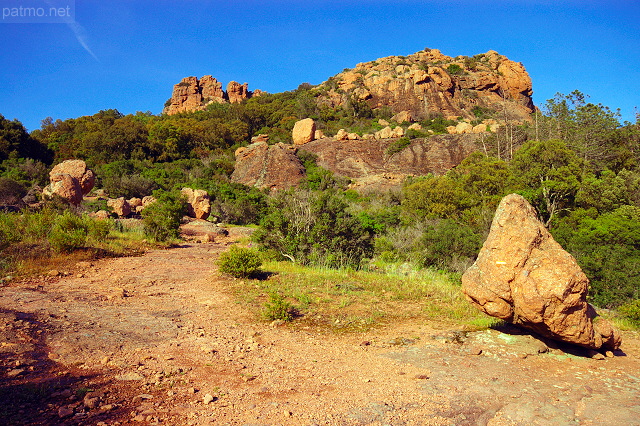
160	339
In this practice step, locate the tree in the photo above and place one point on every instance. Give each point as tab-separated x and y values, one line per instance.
548	175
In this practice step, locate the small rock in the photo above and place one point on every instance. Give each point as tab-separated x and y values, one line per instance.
15	372
277	323
596	355
208	398
64	412
474	351
365	343
421	376
129	377
609	354
191	390
288	413
142	397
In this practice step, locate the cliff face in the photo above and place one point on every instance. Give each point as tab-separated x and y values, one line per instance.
192	94
429	83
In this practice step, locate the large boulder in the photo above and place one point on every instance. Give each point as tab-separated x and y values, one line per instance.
66	187
198	202
70	180
522	275
304	131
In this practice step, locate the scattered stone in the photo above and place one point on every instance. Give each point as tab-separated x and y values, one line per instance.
142	397
609	354
421	376
15	372
474	351
119	206
131	376
208	398
342	135
64	412
522	275
595	355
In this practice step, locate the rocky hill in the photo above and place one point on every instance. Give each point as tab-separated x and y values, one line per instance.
192	94
429	83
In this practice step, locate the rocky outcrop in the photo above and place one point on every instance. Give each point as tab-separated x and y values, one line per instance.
70	180
367	162
429	83
522	275
304	131
268	166
237	92
192	94
198	202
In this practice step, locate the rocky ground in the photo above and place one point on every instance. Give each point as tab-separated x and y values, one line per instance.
159	339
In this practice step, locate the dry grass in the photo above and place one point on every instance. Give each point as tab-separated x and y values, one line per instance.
347	300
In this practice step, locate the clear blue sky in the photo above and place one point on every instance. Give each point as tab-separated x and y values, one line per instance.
128	54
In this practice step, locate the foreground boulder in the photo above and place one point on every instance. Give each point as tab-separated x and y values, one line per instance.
523	276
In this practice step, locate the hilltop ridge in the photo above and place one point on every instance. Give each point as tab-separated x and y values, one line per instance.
421	85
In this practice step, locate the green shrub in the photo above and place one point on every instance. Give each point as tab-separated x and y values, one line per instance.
314	227
239	262
277	308
398	145
454	69
161	220
69	233
631	311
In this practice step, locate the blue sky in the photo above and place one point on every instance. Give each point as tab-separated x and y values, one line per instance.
128	54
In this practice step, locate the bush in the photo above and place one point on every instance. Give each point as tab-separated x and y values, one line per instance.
398	145
69	233
161	220
278	309
239	262
314	227
631	311
454	69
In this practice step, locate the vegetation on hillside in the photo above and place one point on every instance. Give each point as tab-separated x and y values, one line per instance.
576	163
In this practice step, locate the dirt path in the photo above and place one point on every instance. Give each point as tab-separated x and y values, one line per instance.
149	339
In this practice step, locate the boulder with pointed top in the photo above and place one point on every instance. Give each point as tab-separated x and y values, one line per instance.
523	276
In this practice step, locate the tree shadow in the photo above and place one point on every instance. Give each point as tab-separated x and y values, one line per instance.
36	390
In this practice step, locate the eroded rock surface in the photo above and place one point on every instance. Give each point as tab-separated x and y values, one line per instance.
268	166
522	275
193	94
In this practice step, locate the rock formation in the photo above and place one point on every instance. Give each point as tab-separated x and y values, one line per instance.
70	180
304	131
192	94
268	166
198	203
522	275
429	83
